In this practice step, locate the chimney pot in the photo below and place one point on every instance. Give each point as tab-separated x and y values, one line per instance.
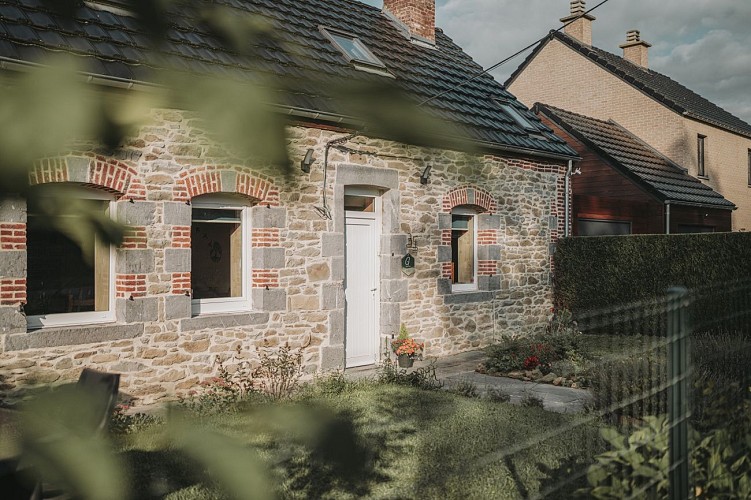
417	15
578	23
635	49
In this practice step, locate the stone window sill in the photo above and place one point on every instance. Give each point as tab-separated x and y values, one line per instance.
223	320
71	335
469	297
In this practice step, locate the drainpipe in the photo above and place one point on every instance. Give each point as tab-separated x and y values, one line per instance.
667	217
566	198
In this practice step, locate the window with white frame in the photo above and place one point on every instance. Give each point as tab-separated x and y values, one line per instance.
68	282
220	254
463	249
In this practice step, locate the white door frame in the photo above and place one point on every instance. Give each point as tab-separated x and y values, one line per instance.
375	216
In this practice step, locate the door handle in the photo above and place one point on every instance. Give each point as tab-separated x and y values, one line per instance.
373	289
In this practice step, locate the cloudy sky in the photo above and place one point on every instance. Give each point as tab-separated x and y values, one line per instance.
703	44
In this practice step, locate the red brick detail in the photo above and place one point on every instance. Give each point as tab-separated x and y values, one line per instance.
49	170
112	174
180	283
134	237
262	278
265	237
130	285
12	291
259	189
446	237
208	179
447	269
487	267
417	15
460	196
12	236
487	237
180	237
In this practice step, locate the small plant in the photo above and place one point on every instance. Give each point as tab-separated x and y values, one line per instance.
531	401
404	345
422	378
497	395
279	372
127	423
465	388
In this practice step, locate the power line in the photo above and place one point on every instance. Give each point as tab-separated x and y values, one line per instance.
504	61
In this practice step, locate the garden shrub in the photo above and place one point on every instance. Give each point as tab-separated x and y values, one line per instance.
465	388
599	273
614	383
422	378
637	463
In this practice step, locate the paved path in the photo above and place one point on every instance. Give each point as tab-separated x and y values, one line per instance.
461	367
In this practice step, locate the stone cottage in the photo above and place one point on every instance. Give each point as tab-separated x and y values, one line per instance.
223	253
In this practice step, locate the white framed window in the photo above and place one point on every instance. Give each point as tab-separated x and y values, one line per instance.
68	283
220	254
463	249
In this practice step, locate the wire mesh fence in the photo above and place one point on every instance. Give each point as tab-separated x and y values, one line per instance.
670	386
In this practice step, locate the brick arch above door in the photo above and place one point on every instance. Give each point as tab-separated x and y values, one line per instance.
469	195
216	179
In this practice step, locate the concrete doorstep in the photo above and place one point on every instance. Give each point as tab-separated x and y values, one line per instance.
460	368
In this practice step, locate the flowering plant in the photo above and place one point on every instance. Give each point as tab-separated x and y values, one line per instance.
405	345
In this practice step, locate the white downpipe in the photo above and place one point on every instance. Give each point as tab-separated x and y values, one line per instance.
567	201
667	218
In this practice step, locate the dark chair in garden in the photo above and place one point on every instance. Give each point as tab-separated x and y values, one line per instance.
17	479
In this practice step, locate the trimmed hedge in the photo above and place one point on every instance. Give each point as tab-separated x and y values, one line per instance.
599	273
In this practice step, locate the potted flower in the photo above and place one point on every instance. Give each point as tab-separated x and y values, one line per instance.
406	349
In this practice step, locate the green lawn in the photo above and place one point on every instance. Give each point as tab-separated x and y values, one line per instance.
417	444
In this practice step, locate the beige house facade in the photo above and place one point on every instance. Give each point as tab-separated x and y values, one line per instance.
568	72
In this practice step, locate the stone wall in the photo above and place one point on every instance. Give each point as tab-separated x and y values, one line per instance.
297	269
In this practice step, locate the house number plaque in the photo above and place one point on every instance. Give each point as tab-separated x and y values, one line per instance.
408	264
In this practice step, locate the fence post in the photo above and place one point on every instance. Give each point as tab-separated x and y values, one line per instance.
678	391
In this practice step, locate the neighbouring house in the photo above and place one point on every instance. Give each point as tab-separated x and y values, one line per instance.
567	71
224	253
626	187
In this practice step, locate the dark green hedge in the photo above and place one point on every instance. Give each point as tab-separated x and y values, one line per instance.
600	273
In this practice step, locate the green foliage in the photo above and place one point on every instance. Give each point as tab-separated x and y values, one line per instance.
535	351
603	272
497	395
129	423
629	387
465	388
529	400
636	465
403	332
280	370
422	378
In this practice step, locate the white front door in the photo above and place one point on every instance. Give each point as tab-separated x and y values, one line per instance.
361	285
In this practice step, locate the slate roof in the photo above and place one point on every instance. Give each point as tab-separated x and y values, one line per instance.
662	88
632	157
309	65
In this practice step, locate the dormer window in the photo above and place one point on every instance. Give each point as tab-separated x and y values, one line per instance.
515	115
355	51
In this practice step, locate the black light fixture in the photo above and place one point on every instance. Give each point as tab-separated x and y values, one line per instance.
425	175
307	161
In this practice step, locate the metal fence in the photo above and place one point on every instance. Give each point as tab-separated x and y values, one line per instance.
673	409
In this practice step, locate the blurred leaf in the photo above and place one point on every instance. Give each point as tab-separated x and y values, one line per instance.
387	112
237	113
237	469
235	31
58	441
42	111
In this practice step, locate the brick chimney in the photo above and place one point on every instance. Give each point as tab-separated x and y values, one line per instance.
581	24
635	49
417	15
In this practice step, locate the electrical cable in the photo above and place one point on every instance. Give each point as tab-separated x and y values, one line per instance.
504	61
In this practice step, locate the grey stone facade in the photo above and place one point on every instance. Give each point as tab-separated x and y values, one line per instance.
161	350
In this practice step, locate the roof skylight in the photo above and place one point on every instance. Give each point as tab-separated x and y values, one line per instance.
515	115
352	48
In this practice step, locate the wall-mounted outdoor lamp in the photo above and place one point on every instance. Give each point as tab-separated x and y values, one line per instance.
425	175
307	161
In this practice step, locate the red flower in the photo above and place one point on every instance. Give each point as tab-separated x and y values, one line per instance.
531	362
